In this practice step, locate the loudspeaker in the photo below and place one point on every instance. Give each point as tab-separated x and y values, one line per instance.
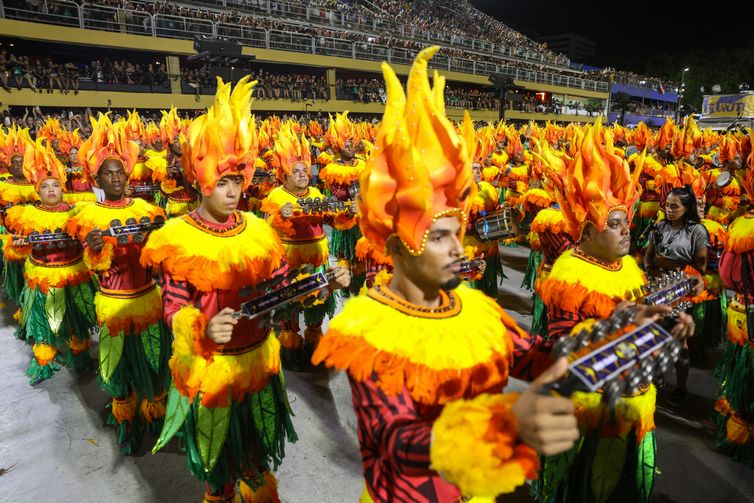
217	47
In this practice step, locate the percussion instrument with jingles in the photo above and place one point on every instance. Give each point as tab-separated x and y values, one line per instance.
722	180
495	225
606	359
132	231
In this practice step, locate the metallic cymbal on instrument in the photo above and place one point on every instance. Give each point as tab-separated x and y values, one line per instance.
716	160
612	392
631	150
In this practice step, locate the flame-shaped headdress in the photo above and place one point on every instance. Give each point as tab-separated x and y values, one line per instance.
223	141
341	130
69	140
107	141
420	169
691	176
594	183
152	134
290	148
729	148
642	137
315	129
50	130
171	127
134	127
41	163
688	140
666	134
14	144
514	145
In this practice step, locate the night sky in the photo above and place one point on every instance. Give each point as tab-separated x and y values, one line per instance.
624	34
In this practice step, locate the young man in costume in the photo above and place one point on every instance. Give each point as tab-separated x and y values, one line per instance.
337	177
734	411
614	461
426	360
302	235
15	190
58	296
177	195
226	369
134	343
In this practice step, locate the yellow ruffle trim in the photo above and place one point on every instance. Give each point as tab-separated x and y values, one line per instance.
578	286
636	413
217	377
28	218
437	360
741	234
474	446
490	174
127	314
210	261
177	208
44	353
300	254
737	330
342	174
485	199
99	261
548	220
536	198
100	215
476	247
718	233
80	197
44	277
17	193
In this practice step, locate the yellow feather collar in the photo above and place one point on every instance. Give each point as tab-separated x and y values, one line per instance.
459	350
28	218
741	234
578	284
211	260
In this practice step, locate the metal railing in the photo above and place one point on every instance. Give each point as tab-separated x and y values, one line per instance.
346	19
162	25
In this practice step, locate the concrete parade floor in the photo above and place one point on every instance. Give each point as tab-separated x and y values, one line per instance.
54	447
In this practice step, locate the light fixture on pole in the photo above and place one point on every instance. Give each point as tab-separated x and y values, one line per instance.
678	103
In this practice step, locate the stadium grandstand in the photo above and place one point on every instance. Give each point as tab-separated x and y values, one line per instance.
309	56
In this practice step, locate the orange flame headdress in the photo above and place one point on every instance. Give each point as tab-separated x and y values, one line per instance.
69	140
666	134
290	148
171	127
421	168
50	130
642	137
688	140
152	134
729	148
315	129
107	141
134	127
14	144
41	163
594	183
692	177
747	181
223	141
483	145
340	130
514	142
619	133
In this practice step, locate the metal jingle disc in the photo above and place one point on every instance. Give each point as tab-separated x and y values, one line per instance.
115	223
145	220
122	240
139	237
131	221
